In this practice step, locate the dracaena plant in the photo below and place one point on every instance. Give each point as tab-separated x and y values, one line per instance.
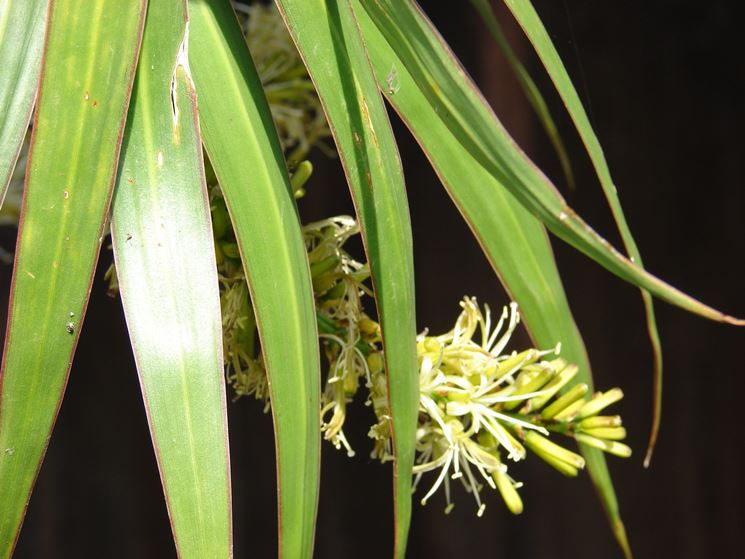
220	280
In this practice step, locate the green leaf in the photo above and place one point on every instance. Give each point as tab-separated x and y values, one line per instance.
82	107
469	119
166	269
327	36
534	30
242	145
513	240
22	24
530	89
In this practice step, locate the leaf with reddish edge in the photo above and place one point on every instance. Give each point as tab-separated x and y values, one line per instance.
536	33
329	41
82	107
165	259
243	147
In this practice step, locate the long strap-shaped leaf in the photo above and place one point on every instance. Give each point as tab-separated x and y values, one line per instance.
470	120
90	59
327	36
22	24
243	147
536	33
512	238
529	87
168	282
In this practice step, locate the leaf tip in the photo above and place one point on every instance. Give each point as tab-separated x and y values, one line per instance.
734	321
648	457
619	530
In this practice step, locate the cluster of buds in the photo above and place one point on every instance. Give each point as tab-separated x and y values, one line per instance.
350	338
481	407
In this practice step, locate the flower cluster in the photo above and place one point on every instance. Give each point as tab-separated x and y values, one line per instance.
349	337
481	407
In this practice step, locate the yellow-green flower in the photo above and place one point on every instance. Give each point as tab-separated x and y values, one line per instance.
478	400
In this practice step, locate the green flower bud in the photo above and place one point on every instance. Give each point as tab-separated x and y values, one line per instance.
302	173
220	219
336	292
608	433
368	327
569	412
599	402
375	362
611	447
517	361
320	267
600	421
562	467
231	250
509	492
565	374
351	385
566	400
322	284
543	447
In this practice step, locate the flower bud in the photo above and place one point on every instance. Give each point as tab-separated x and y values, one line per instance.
508	489
607	433
611	447
565	374
544	447
368	327
599	402
567	399
375	362
515	362
302	173
600	421
230	250
322	266
569	412
220	219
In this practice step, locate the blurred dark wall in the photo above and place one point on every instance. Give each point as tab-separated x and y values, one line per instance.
664	85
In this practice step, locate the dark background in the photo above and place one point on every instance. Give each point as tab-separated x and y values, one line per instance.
663	82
